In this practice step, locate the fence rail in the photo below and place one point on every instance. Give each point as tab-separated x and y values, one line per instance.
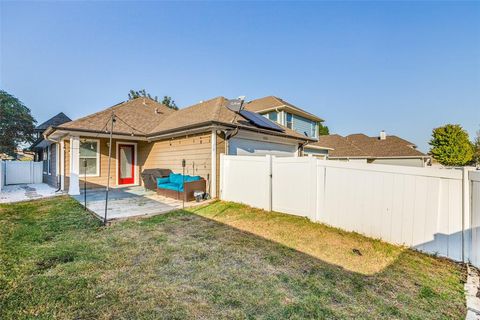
432	210
20	172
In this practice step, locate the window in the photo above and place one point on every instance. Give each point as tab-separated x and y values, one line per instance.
89	155
273	116
314	130
46	160
289	120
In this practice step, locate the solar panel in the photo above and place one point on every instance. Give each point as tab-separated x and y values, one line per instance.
260	121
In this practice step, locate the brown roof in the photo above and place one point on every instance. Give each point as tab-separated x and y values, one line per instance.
213	111
362	146
145	117
138	116
270	102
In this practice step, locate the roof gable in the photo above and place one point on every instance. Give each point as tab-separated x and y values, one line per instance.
137	116
56	120
272	102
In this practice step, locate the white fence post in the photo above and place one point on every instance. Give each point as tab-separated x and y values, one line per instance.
474	256
423	208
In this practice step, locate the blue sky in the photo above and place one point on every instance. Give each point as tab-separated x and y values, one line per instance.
405	67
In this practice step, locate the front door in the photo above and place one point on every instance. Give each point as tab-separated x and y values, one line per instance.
126	164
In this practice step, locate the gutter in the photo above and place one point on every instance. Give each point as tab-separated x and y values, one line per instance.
200	127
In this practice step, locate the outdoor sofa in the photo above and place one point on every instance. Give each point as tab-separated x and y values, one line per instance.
180	186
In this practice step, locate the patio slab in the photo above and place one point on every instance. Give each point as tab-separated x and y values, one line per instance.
26	192
129	202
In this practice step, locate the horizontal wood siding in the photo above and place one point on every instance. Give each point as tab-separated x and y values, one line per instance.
168	154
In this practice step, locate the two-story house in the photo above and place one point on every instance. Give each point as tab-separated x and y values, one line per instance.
292	117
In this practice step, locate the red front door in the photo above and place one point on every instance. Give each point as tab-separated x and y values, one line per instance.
126	164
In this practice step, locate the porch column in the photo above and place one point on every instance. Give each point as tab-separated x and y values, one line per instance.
62	164
213	175
74	188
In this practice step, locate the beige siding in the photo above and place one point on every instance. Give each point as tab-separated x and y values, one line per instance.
168	154
100	180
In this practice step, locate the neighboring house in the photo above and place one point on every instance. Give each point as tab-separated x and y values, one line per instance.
380	150
147	134
293	117
45	151
287	115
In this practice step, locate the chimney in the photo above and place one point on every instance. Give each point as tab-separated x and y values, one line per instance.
383	135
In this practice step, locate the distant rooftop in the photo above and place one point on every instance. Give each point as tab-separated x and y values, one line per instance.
53	121
362	146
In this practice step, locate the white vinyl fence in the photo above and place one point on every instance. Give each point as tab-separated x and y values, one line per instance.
475	217
20	172
424	208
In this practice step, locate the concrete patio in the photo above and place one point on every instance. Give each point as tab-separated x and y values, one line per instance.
26	192
130	202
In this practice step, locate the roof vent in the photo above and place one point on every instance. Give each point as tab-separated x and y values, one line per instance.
383	135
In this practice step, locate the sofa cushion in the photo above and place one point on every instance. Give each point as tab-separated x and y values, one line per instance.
162	180
176	178
192	178
171	186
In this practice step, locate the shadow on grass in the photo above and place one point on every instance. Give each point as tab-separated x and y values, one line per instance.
196	264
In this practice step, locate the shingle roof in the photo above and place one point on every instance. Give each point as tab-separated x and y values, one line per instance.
270	102
54	121
147	117
138	116
360	145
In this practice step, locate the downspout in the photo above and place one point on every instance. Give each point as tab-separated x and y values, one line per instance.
301	146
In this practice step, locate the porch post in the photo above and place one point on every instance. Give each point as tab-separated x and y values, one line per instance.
213	175
74	188
62	164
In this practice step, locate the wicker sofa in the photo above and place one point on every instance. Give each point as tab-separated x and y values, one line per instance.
180	187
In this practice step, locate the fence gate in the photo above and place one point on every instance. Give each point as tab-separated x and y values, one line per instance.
19	172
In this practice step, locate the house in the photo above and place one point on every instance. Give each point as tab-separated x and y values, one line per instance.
147	134
45	151
293	117
384	149
287	115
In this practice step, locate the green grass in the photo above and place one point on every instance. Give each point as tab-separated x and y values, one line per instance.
220	261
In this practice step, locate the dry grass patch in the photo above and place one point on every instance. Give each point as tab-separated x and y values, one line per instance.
348	250
221	261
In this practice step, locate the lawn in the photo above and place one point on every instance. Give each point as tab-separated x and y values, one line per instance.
219	261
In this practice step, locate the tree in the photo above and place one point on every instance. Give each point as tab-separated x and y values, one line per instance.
451	145
167	101
323	130
476	145
133	94
16	123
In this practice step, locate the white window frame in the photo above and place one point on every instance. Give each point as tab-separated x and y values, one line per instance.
286	120
314	129
97	173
